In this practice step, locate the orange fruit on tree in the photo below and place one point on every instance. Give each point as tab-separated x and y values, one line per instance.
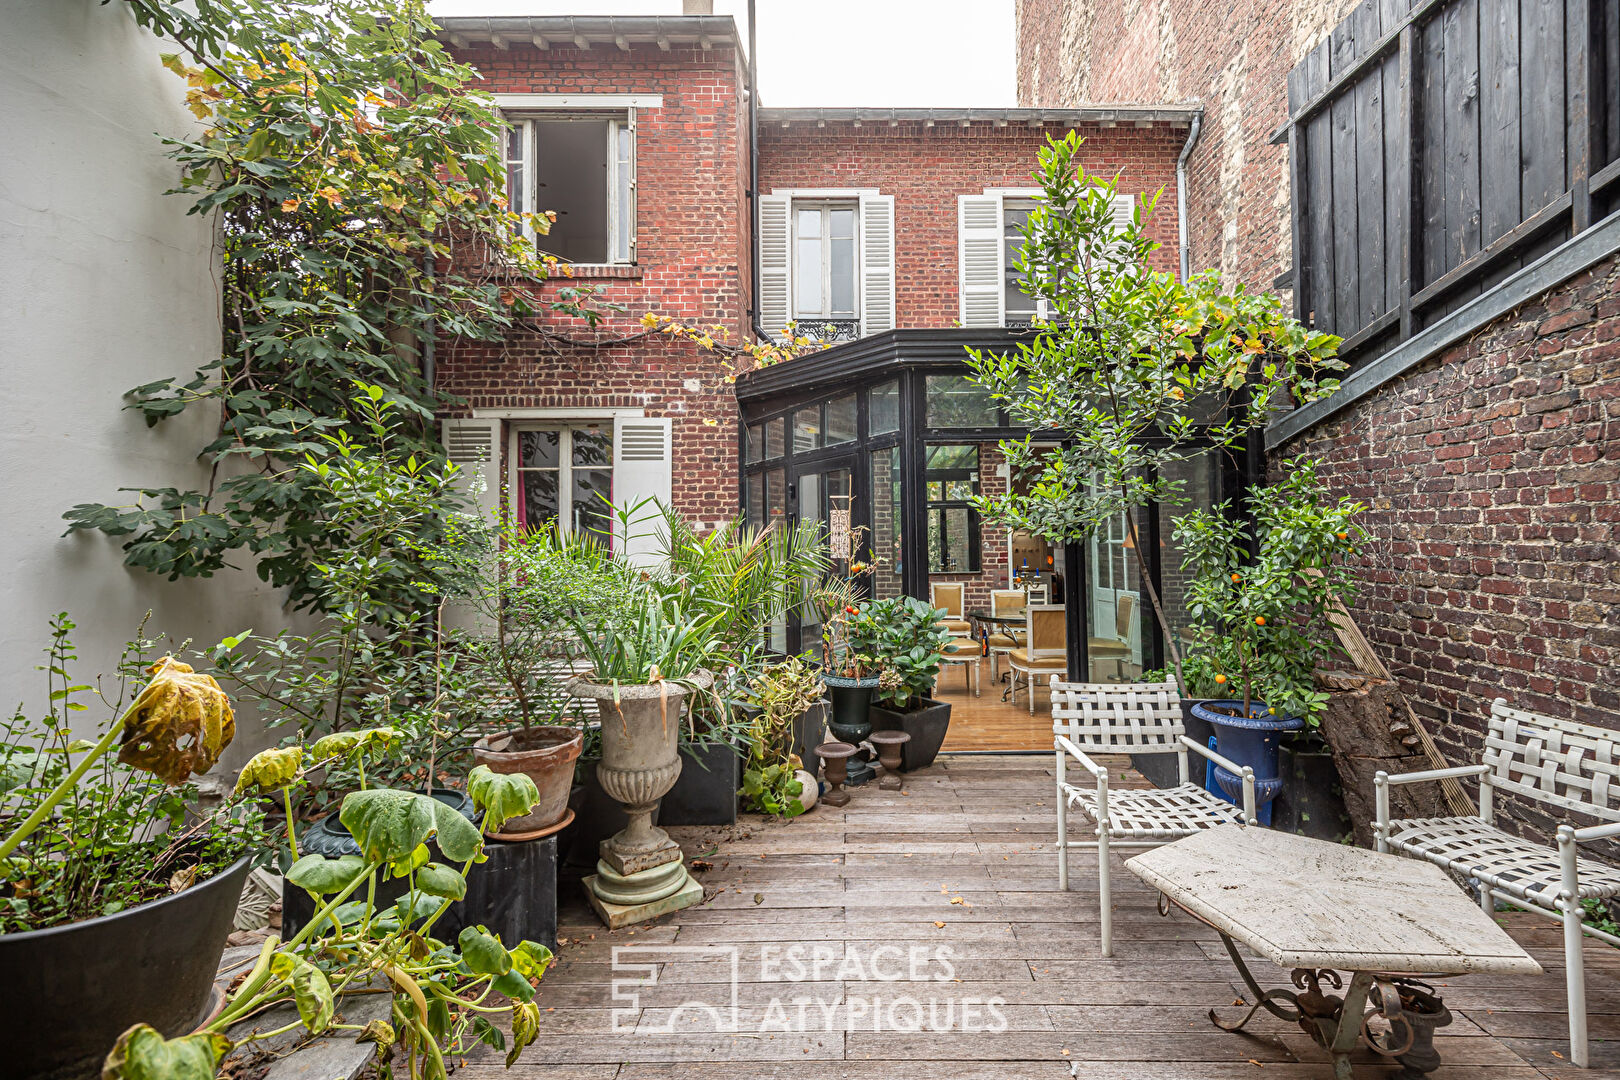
1236	579
1220	680
1259	620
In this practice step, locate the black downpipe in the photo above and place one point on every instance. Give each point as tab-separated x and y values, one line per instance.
753	178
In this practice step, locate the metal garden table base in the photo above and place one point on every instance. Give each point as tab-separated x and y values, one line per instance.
1327	913
1409	1038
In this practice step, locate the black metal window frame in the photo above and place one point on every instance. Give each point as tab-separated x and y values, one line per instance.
939	506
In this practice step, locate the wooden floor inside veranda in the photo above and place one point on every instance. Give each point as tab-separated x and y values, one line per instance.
987	721
963	861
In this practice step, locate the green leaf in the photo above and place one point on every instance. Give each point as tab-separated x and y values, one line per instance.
142	1054
322	875
501	796
457	837
437	879
418	857
514	986
530	959
387	824
311	992
483	953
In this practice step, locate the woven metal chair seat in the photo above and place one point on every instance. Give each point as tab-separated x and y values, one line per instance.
1467	845
1156	813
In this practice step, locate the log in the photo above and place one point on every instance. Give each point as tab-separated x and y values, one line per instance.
1368	728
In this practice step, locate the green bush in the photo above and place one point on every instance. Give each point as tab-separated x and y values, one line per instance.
904	636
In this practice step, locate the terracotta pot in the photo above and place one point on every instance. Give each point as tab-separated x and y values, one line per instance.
546	755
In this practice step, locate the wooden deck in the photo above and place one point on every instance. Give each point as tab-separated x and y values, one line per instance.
962	862
986	722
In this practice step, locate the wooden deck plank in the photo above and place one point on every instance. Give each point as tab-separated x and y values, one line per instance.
883	874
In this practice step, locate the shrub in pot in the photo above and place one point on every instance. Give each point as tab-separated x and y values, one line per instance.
1261	621
114	907
905	637
783	695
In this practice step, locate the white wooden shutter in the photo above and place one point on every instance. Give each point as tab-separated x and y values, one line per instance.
474	447
877	263
643	469
1124	207
775	241
979	250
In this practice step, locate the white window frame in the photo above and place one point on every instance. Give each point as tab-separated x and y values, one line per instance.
565	462
621	249
826	204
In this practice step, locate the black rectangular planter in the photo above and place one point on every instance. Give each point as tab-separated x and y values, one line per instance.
926	726
809	732
513	893
706	791
1311	802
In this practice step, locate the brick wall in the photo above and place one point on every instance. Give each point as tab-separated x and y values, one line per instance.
692	249
926	168
1493	481
1233	58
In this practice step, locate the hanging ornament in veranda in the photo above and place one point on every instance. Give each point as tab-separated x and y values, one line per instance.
839	533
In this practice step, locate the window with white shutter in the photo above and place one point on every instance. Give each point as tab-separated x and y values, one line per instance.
643	476
877	264
979	252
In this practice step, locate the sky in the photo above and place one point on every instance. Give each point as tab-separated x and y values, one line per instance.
912	53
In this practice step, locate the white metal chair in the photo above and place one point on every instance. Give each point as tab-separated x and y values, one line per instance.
1045	650
950	596
1560	764
1130	718
1002	640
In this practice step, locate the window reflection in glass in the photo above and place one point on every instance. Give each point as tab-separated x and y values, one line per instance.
954	401
841	420
951	476
884	408
806	429
775	438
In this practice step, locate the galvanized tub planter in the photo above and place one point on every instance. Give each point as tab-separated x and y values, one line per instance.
68	992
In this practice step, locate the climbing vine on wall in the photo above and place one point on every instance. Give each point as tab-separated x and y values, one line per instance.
357	179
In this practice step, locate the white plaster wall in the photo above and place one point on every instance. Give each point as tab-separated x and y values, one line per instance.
106	284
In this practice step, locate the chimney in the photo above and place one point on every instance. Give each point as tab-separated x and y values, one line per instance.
697	7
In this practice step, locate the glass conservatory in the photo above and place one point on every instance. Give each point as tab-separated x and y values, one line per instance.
891	426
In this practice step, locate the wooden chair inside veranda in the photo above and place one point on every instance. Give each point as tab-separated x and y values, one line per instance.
950	596
964	652
1117	648
1133	718
1044	652
1002	640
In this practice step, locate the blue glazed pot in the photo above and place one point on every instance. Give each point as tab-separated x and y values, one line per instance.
1251	740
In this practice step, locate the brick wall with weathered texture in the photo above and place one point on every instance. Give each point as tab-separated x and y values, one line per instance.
692	240
1492	477
1232	58
926	168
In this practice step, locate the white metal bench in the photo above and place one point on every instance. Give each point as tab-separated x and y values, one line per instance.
1130	718
1565	766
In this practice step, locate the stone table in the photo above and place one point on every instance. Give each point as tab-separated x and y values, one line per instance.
1319	909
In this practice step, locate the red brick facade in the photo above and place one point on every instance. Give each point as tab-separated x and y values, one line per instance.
692	240
926	167
1493	478
1231	58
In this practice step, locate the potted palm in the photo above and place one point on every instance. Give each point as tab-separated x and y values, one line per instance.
1260	594
905	637
645	663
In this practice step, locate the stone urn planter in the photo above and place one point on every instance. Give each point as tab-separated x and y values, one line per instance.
851	720
640	873
546	755
1252	740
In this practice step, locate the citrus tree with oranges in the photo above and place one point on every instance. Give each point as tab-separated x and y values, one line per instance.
1261	621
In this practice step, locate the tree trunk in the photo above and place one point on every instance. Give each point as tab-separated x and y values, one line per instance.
1367	728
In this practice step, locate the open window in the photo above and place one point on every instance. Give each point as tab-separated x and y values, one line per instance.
580	166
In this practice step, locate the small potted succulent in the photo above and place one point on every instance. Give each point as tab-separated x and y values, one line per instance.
905	637
1261	620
